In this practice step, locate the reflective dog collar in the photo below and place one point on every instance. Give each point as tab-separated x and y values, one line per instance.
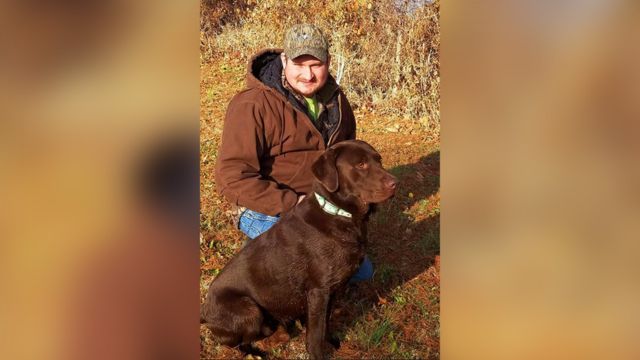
329	208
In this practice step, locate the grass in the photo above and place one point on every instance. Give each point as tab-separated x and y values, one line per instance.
400	171
388	49
384	273
397	314
382	330
429	241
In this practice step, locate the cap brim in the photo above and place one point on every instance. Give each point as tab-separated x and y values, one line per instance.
318	54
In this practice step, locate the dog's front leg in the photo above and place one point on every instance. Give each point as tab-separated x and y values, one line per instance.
317	303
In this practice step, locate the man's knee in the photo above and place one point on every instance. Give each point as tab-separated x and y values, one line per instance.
253	223
365	271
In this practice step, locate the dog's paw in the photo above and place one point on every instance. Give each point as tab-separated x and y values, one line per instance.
252	352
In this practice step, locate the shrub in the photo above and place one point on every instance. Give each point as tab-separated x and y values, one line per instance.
385	53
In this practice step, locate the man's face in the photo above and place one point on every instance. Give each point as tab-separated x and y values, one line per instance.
305	74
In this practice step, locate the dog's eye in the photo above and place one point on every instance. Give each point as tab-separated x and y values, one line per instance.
362	166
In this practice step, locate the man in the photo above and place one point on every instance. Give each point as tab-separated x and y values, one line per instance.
290	112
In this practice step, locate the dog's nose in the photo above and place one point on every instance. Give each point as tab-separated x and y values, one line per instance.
391	183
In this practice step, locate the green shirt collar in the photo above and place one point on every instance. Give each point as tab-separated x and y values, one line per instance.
312	106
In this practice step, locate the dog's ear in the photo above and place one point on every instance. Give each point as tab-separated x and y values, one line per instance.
324	169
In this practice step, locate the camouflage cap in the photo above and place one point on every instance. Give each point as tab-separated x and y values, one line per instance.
306	39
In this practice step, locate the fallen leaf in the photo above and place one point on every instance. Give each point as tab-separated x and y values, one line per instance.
381	300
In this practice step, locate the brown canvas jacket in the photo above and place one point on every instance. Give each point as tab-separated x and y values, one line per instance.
269	141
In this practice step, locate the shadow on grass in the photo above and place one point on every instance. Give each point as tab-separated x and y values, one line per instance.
404	239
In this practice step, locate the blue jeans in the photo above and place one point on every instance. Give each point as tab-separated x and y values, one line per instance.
254	223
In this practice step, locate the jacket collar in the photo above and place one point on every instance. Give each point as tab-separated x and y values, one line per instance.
330	208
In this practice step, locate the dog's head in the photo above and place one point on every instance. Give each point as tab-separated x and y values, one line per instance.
352	172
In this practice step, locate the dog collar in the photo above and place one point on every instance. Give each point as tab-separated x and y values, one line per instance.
329	208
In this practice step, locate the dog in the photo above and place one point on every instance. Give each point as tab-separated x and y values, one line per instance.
293	269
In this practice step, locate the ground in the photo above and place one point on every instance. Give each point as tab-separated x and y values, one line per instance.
397	314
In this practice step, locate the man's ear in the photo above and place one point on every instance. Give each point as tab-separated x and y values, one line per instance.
324	169
283	58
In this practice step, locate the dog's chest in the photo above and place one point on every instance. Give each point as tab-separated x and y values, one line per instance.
343	263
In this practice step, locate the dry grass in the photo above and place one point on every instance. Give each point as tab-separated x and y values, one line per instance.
386	51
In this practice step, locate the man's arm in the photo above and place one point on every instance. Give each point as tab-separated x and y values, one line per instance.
238	176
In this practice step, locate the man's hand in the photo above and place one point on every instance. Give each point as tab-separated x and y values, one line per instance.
300	198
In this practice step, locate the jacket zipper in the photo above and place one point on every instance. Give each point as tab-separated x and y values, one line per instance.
339	121
311	122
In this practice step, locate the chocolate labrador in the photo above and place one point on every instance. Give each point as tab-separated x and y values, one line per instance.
294	268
